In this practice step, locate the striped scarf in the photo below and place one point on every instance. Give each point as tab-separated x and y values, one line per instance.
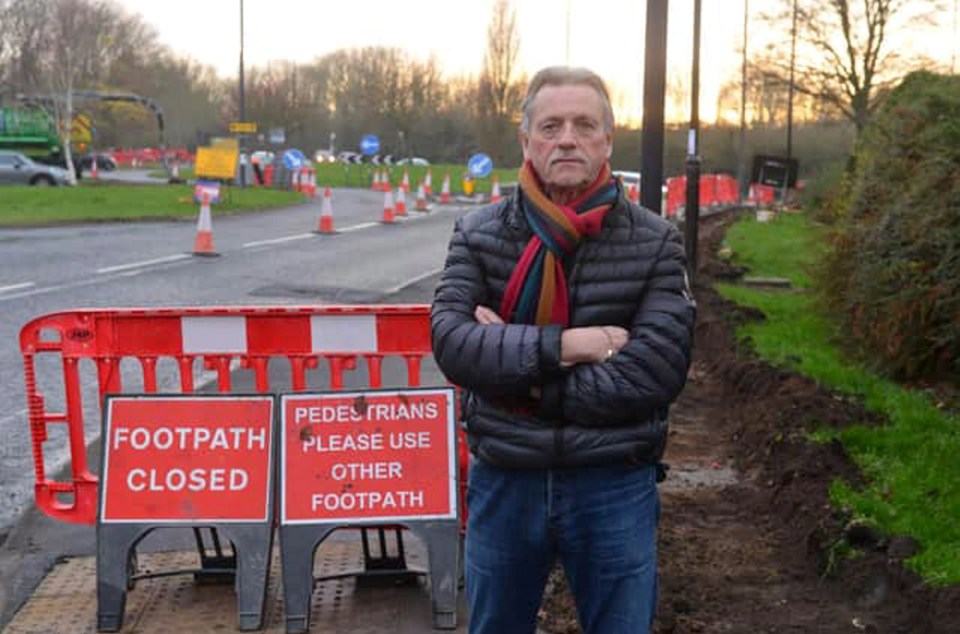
536	292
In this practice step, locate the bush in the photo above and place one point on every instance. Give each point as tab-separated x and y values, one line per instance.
894	271
823	195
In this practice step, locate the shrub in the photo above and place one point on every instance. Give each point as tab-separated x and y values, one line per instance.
894	271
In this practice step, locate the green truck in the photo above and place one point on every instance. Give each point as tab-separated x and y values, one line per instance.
32	131
29	126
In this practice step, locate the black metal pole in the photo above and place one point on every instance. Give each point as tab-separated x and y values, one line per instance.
793	60
692	210
243	108
654	91
742	145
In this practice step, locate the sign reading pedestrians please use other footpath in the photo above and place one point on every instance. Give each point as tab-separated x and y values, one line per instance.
187	459
362	456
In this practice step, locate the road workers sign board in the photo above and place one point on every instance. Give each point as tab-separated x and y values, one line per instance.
81	129
243	127
187	459
366	456
210	189
216	162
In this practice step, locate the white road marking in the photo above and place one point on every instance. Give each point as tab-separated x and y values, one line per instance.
257	243
143	263
77	284
399	287
362	225
15	287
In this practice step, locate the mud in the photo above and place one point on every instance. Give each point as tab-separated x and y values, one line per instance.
749	541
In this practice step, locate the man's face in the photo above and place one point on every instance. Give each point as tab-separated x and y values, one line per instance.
567	143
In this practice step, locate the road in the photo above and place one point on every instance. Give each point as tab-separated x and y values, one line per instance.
267	258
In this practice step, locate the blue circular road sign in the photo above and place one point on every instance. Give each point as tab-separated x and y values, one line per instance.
480	165
294	158
370	144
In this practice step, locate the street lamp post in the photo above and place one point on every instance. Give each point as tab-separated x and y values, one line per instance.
654	90
692	209
243	114
742	146
793	63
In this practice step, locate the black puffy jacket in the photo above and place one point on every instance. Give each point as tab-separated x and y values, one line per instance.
631	274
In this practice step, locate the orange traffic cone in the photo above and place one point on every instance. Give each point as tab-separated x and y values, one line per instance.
375	185
203	244
326	213
427	183
312	182
388	217
445	191
495	195
405	183
94	174
385	181
401	202
421	204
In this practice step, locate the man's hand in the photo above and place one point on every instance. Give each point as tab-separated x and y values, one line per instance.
591	344
487	316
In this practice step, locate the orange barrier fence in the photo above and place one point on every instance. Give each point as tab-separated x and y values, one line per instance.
340	336
762	194
715	189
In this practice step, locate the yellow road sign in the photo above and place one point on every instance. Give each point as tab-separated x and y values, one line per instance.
243	127
216	162
81	129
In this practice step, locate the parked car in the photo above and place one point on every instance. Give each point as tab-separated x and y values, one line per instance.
18	169
324	156
105	162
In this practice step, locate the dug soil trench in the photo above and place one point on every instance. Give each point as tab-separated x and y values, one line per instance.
749	541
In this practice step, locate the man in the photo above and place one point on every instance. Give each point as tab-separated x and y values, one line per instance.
564	313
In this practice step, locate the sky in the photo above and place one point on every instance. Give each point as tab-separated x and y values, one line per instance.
605	35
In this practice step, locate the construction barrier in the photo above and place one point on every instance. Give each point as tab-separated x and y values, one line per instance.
221	340
762	194
715	189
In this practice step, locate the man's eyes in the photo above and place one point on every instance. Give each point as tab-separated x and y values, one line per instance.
580	127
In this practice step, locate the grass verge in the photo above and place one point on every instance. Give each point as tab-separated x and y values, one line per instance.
91	202
911	464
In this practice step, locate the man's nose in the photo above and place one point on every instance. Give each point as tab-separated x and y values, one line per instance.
568	135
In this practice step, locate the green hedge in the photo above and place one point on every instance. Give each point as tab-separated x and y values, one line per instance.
893	276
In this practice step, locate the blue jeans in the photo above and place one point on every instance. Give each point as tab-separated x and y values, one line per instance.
602	524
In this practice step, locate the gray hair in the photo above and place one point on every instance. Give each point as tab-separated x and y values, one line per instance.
566	76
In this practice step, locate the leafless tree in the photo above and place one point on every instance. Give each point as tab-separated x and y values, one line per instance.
500	88
23	33
78	36
844	55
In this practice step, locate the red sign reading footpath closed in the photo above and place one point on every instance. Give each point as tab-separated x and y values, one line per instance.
363	456
187	459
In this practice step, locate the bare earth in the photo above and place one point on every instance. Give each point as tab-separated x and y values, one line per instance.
747	528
